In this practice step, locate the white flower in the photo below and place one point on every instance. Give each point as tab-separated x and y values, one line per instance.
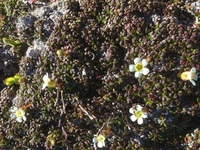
48	82
84	72
190	75
139	67
18	114
138	114
99	140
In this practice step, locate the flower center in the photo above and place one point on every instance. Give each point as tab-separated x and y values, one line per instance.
139	67
18	113
100	138
191	75
138	113
52	83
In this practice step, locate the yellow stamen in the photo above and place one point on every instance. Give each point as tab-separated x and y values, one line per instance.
18	113
100	138
139	67
187	75
138	113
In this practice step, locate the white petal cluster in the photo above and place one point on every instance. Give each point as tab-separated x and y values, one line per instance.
139	67
18	114
137	114
99	141
48	82
190	75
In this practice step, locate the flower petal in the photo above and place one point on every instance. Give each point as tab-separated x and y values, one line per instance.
44	85
19	119
24	118
195	77
144	62
103	144
22	112
144	115
138	107
137	60
94	140
140	121
131	110
13	109
193	70
100	144
133	118
193	83
138	74
131	68
12	115
46	78
145	71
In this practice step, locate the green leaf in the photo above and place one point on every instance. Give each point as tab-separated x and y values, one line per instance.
9	81
17	77
11	42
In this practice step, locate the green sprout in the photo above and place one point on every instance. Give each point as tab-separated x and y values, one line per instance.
11	42
12	80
